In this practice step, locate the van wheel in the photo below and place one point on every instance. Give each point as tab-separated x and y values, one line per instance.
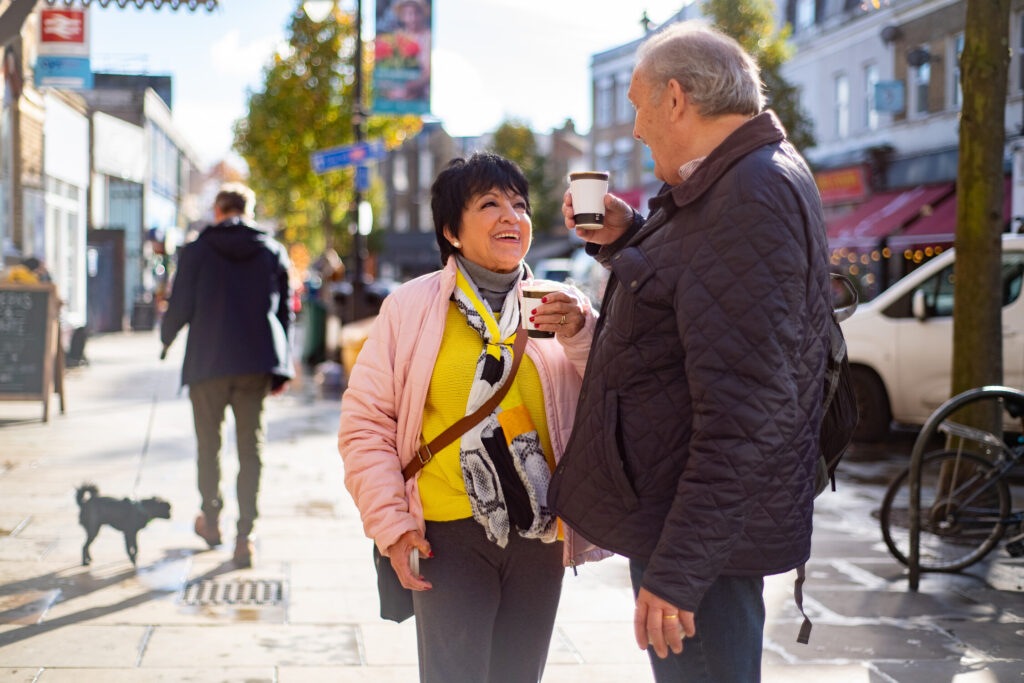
872	405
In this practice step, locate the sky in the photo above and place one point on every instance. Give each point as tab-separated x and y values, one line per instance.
491	60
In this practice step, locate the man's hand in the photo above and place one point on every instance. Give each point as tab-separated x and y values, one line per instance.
398	553
660	624
618	216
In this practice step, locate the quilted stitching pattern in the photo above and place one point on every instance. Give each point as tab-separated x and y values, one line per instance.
696	434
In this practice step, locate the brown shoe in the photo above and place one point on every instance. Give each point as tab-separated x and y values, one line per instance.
207	529
242	557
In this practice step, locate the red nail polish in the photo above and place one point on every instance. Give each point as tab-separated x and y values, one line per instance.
533	311
531	318
544	300
430	554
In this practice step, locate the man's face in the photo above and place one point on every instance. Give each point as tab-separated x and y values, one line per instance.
651	124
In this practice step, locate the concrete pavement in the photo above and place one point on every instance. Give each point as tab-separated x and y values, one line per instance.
307	610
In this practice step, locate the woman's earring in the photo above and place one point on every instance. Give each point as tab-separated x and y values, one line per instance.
456	244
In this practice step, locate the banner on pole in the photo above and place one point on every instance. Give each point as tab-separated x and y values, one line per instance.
401	72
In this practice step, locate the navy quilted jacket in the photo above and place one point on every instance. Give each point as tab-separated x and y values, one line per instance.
232	290
696	435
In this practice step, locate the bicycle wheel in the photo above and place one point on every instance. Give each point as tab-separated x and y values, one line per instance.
959	526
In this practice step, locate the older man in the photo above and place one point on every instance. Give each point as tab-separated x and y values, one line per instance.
232	290
694	447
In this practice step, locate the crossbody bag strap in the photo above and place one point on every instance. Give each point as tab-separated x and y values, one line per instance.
426	451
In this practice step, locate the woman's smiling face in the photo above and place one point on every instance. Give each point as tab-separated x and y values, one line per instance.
496	230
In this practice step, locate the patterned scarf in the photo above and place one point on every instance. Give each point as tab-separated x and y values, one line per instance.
503	464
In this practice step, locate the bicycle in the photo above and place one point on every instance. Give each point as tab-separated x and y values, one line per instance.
965	504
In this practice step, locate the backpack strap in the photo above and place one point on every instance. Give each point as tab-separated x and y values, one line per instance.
798	594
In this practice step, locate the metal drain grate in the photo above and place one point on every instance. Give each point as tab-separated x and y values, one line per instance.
256	593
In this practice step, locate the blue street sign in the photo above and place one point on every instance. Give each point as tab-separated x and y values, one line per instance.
362	179
324	160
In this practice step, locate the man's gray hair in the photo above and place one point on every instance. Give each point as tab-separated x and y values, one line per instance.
713	70
235	198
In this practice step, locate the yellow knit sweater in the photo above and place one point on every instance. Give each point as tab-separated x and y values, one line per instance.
442	489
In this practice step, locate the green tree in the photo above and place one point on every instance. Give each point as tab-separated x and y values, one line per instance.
752	24
306	104
977	323
514	140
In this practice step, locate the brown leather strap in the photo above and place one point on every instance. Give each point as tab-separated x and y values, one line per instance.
426	451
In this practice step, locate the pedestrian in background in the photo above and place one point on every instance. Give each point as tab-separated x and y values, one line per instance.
694	447
232	290
485	600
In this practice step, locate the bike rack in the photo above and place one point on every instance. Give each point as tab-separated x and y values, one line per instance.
930	427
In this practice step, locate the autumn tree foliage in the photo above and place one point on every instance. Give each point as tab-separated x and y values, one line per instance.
307	103
752	24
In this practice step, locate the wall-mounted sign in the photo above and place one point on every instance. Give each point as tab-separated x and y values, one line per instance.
889	97
842	185
63	60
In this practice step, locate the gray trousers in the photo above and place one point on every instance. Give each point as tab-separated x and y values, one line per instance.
245	394
490	614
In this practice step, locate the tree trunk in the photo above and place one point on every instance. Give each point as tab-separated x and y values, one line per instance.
977	325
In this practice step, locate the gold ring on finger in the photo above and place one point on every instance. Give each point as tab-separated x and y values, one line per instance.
562	321
671	616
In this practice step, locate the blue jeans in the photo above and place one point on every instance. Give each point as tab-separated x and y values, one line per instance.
730	628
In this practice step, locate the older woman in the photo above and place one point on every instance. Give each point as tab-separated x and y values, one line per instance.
491	576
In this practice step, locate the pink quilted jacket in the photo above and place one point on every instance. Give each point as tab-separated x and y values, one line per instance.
382	409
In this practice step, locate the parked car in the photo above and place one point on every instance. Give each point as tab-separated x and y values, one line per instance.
556	269
901	342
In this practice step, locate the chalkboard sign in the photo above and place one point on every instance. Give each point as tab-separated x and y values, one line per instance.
29	354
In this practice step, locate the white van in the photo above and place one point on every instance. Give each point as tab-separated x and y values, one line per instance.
901	343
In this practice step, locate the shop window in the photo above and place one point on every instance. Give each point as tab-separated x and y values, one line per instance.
956	89
841	90
870	81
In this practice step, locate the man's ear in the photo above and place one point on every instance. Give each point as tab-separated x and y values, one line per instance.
680	102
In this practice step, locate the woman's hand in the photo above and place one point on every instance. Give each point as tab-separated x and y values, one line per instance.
618	216
559	312
398	553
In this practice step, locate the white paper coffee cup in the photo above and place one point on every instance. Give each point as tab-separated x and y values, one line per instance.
531	295
588	189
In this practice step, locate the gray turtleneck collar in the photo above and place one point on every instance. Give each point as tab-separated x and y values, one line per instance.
493	287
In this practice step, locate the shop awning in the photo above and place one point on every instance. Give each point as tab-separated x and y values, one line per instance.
940	226
883	214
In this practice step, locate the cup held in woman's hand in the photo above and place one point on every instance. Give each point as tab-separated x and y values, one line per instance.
533	294
588	189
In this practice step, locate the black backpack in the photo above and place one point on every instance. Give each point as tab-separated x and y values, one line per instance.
839	405
838	421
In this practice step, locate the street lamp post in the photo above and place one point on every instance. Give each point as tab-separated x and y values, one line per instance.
318	11
357	123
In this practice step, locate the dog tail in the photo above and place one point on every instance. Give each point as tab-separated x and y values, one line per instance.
84	490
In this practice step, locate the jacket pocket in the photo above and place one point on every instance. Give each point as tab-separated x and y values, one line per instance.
615	453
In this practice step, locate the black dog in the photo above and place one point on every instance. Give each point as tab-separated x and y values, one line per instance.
124	515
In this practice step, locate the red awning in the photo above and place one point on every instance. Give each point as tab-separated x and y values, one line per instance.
883	214
940	226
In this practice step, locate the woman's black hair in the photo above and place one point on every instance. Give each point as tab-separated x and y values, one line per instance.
460	181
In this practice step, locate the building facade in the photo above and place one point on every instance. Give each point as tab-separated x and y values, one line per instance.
881	82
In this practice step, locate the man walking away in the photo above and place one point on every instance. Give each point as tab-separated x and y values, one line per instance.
694	446
232	290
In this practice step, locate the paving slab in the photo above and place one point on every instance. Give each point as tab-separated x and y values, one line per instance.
247	645
350	674
18	675
150	675
72	645
955	672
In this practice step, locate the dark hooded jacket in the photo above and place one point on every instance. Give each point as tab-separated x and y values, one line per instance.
232	290
696	435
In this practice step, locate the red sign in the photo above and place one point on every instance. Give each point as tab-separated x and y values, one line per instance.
842	184
63	25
